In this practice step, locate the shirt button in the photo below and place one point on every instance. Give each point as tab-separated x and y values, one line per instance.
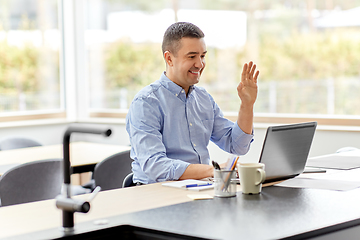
176	94
194	145
182	91
190	124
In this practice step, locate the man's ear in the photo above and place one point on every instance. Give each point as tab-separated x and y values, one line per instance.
168	58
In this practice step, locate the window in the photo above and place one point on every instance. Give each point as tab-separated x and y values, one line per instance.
29	58
306	51
123	49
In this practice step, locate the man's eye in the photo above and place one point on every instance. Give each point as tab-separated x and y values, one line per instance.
191	56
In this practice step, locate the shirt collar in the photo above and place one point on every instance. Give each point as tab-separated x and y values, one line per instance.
191	88
173	87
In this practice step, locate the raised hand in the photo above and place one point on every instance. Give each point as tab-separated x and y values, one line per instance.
247	88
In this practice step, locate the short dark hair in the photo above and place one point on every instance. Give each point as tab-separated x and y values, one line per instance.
177	31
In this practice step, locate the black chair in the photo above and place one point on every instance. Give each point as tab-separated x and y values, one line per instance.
17	142
110	172
33	181
128	181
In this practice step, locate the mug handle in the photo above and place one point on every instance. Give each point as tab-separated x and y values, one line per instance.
262	176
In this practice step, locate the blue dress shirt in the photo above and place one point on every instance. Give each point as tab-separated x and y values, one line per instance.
168	131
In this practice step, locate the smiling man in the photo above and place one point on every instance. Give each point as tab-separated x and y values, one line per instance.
171	121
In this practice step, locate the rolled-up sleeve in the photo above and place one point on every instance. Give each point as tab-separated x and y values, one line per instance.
241	140
144	125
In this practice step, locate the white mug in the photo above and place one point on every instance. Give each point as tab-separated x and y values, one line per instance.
252	175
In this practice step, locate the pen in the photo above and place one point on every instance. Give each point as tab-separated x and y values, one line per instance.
228	179
197	185
216	165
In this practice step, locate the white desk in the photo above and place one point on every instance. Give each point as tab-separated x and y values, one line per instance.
31	217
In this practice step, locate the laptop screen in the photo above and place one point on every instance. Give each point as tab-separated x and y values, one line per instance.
286	149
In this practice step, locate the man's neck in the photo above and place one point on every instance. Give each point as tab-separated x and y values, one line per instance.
186	89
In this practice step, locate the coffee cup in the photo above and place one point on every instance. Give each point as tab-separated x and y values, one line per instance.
252	175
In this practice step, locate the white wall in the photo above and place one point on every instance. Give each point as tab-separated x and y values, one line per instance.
49	134
45	134
325	141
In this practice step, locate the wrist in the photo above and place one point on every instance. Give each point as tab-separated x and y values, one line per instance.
211	171
246	107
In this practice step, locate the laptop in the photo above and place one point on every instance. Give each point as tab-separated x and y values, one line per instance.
286	149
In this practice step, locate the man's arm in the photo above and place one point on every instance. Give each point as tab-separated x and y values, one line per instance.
247	91
197	171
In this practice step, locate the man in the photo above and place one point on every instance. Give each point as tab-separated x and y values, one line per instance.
171	121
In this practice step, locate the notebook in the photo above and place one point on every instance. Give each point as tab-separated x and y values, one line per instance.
286	149
190	184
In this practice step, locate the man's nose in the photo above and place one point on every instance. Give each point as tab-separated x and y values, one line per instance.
199	63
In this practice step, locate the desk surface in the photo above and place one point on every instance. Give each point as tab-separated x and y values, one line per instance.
82	153
275	213
43	215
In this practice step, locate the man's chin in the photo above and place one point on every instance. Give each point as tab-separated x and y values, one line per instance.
196	82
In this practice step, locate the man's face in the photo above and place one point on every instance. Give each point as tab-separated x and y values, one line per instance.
186	67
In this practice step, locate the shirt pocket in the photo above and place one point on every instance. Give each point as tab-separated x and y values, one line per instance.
207	128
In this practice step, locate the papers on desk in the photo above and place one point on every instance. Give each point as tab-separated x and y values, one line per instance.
190	184
342	181
200	196
344	160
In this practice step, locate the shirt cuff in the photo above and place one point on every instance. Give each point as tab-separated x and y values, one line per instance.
179	169
241	136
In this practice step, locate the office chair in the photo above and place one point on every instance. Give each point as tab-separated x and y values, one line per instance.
128	181
110	172
18	142
33	181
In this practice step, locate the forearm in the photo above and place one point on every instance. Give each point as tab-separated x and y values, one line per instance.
246	118
247	91
197	171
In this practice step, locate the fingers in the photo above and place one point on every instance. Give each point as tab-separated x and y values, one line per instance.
244	72
252	72
248	72
256	76
250	67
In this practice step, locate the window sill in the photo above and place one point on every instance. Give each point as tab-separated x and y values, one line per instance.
352	122
326	123
330	123
32	119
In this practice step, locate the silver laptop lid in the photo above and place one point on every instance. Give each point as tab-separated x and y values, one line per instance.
286	149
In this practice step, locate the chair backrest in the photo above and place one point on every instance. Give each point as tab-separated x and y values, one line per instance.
128	181
14	143
33	181
110	172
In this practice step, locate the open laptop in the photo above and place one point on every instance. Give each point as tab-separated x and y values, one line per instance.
285	150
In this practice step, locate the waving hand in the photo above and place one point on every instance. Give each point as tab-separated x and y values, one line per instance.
247	88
